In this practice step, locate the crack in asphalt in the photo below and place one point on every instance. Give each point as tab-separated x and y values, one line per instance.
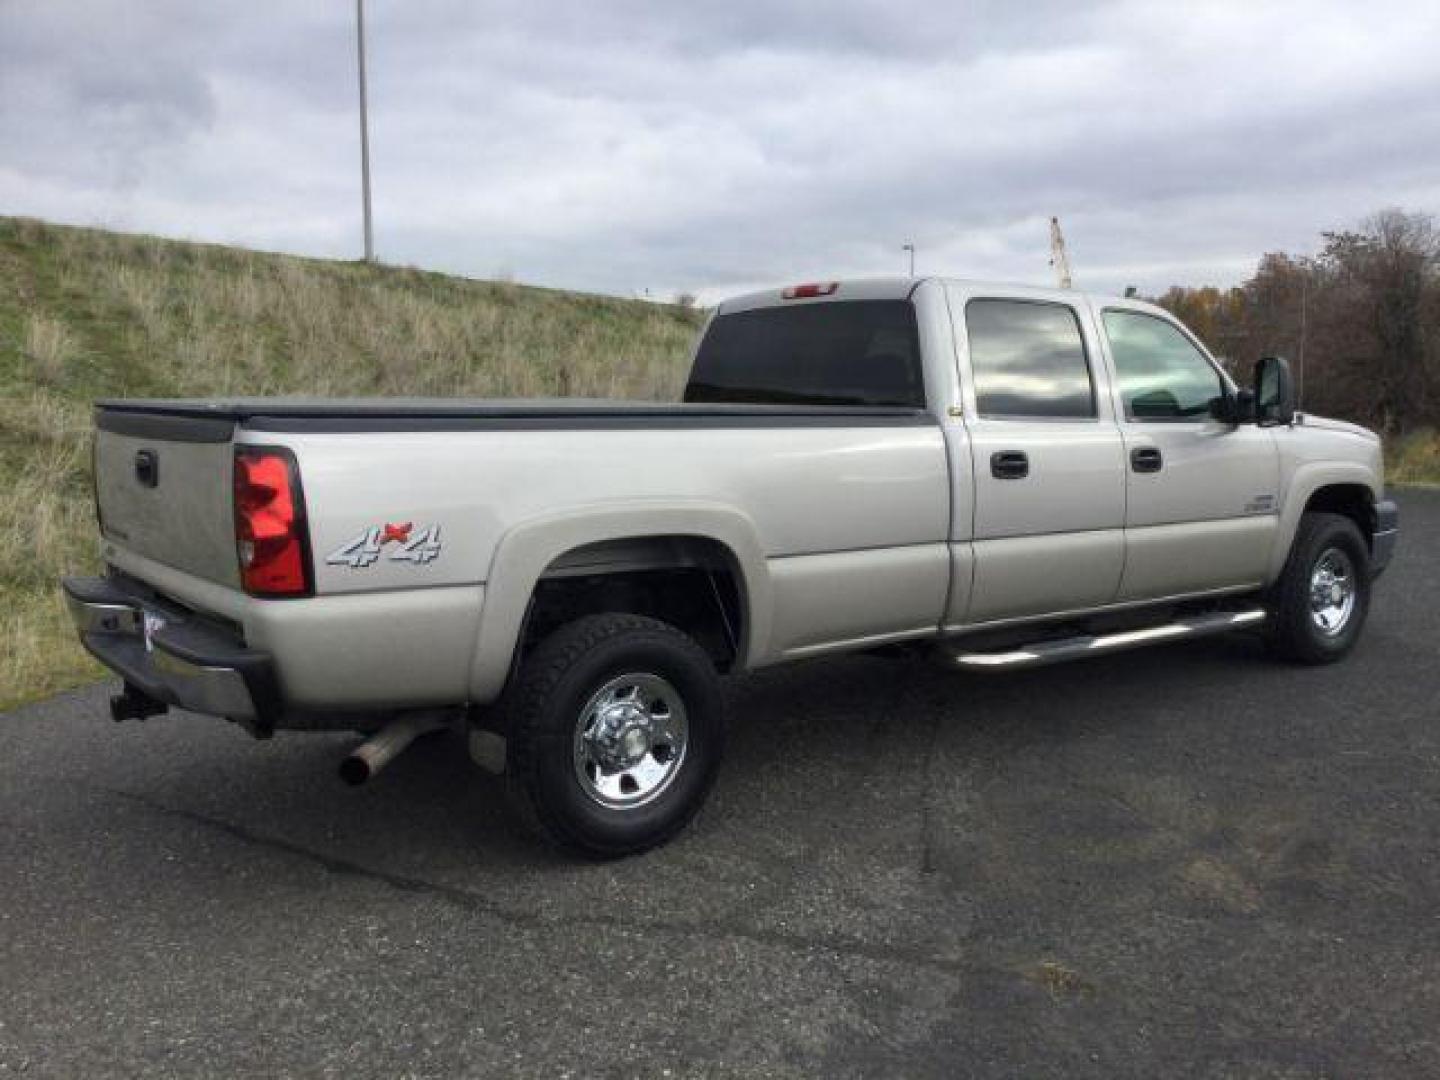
717	931
927	796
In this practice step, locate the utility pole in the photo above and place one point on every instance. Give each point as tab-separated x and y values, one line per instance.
1058	258
1304	311
911	249
364	131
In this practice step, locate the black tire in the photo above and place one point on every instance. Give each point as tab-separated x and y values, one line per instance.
542	710
1292	630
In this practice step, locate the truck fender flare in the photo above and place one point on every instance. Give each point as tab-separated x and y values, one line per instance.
527	549
1306	480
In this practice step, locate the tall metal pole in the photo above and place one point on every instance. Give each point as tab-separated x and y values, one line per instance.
1304	306
364	131
911	249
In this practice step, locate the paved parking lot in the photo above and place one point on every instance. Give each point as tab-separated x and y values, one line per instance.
1185	861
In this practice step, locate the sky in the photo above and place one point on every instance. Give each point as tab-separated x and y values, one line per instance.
634	147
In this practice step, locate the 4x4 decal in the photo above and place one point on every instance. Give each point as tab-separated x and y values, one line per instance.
374	543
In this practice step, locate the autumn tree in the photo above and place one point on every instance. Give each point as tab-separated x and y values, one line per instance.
1360	321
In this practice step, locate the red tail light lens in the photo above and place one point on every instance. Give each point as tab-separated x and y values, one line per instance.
805	292
270	535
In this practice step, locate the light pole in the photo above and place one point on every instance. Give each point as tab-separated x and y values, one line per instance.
364	131
1304	306
911	249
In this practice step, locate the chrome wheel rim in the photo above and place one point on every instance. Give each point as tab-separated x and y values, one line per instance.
630	740
1332	591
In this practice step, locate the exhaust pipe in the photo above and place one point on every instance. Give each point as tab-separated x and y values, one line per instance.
385	746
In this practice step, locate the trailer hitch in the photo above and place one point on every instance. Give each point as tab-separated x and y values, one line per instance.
132	703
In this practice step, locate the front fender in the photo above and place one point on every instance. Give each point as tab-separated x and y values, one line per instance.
1304	482
526	550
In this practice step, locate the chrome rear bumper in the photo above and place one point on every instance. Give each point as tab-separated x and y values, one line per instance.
185	661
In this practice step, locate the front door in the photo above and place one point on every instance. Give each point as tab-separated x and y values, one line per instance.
1047	459
1202	497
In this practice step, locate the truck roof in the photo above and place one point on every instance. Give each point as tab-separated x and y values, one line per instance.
899	288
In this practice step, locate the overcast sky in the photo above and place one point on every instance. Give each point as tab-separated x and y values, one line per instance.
620	146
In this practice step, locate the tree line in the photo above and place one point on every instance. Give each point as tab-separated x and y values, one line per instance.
1359	321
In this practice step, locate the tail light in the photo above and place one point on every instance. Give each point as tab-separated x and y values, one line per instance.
270	533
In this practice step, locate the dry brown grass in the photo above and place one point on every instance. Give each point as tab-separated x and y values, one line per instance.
46	529
87	314
1415	458
48	347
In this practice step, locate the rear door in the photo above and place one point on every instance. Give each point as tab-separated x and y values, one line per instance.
1049	504
1202	496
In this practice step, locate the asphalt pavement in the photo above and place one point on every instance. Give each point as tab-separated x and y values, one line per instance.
1182	861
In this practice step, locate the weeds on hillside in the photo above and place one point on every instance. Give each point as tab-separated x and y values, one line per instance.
46	530
1414	459
47	347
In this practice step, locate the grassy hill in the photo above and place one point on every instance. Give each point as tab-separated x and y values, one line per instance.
86	313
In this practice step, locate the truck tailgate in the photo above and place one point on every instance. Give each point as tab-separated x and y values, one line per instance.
164	491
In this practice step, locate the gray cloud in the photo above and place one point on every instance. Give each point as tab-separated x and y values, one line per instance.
633	145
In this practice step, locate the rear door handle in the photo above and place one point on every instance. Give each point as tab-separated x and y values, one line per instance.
1146	459
1009	465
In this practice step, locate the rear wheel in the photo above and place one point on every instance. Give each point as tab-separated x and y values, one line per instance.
614	734
1318	607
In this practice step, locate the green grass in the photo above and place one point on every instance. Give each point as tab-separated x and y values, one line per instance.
86	313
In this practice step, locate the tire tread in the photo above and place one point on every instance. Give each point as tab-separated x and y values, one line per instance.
1288	630
525	712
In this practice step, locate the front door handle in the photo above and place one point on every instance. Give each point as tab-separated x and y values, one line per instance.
1009	465
1146	459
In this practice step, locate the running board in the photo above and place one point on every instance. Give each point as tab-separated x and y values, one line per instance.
1074	648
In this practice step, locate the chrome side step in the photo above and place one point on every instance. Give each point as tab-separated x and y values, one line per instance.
1074	648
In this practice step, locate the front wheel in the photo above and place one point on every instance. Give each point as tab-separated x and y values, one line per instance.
1318	606
614	732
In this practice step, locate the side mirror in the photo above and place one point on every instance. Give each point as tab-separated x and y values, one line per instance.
1274	392
1233	408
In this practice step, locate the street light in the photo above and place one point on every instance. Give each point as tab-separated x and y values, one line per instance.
911	249
364	131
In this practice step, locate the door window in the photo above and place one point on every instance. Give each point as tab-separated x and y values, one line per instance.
1028	361
1162	375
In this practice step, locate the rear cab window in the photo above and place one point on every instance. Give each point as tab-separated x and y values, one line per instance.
1028	361
847	353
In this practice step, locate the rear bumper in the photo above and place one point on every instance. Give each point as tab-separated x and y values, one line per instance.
1387	532
188	662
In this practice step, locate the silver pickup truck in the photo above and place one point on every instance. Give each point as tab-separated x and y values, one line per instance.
996	476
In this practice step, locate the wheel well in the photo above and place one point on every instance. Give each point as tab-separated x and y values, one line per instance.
1351	500
690	582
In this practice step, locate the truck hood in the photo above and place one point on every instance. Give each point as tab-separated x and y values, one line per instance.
1324	423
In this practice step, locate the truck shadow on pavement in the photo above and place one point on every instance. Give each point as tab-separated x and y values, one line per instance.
849	747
